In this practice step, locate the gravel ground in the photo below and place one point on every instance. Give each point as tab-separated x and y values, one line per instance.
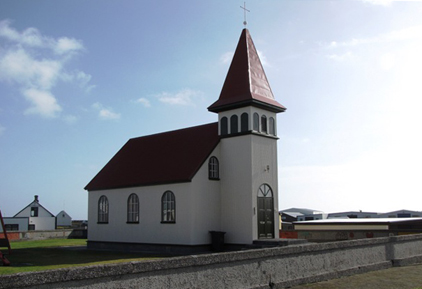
409	277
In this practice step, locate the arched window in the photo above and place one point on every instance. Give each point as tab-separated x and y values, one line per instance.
213	169
272	126
103	210
224	128
255	122
265	191
168	208
133	209
234	127
264	124
244	122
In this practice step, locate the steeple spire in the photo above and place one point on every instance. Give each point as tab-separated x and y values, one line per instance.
246	83
244	13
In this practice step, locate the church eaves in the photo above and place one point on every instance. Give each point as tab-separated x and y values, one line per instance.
246	83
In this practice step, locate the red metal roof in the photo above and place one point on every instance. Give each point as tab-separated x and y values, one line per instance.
169	157
246	83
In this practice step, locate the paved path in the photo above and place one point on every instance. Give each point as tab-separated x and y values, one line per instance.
409	277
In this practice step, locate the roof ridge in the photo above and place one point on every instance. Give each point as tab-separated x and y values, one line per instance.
172	131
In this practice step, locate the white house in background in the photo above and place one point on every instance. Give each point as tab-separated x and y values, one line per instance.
39	218
169	190
63	219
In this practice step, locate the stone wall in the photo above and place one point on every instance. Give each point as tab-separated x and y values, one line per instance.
37	235
279	267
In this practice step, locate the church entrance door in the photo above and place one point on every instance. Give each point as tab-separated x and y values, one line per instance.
265	212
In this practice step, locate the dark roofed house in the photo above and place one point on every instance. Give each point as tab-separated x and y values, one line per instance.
167	191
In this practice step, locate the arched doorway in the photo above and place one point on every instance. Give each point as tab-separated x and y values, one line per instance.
265	212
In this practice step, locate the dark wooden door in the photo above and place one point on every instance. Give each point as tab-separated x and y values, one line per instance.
265	213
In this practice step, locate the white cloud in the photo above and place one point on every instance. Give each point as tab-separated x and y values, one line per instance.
145	102
81	78
385	48
183	97
342	57
43	103
405	34
226	57
379	2
387	2
21	68
70	119
387	61
65	45
32	37
263	59
35	63
108	114
105	113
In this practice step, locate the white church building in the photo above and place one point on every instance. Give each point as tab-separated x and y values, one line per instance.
167	191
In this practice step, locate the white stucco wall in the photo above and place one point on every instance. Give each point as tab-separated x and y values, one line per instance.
22	222
43	223
205	199
236	189
265	172
197	206
245	168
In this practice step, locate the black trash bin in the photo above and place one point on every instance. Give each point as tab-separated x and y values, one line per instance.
217	241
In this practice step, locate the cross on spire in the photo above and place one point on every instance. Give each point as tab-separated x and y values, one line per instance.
244	13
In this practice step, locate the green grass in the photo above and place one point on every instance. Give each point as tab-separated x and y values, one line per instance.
47	243
49	254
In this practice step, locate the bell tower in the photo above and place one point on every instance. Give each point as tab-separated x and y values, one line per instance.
247	121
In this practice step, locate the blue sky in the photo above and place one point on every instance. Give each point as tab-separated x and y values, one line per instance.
79	78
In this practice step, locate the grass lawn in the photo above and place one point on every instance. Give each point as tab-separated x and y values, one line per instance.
42	255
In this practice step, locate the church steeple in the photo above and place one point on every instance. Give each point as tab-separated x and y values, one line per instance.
246	83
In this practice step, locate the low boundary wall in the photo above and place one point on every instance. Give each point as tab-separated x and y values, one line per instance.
278	267
37	235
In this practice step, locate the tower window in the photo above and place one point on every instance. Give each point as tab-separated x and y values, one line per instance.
224	130
213	169
272	126
244	122
255	122
234	126
264	124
